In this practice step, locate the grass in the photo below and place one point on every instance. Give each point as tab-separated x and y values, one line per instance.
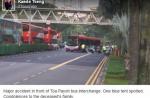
116	72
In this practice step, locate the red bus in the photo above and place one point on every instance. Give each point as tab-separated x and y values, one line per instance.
76	41
37	34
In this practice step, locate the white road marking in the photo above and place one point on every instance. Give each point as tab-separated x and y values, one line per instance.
26	79
16	83
12	64
28	60
33	76
76	69
40	73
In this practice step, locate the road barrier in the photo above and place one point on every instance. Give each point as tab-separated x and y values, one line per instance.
10	49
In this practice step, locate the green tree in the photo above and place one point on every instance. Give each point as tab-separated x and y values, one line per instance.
112	7
144	67
121	25
108	8
117	10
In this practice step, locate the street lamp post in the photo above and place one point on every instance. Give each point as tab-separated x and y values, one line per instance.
78	39
30	26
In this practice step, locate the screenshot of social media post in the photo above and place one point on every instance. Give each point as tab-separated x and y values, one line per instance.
74	48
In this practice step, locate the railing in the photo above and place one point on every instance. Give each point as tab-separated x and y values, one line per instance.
48	15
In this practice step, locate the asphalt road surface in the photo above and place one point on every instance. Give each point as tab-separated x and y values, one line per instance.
48	68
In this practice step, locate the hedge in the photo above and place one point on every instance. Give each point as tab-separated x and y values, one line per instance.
10	49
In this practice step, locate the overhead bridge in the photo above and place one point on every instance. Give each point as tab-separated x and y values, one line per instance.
48	16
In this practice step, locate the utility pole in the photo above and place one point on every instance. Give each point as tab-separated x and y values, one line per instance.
30	27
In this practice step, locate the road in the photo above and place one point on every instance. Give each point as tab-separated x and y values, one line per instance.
48	68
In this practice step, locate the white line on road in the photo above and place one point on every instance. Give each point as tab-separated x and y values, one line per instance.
33	76
40	73
16	83
26	79
76	69
28	60
12	64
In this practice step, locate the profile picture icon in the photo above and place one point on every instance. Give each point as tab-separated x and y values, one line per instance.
8	5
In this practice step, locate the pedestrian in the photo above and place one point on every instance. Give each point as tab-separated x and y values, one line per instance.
104	49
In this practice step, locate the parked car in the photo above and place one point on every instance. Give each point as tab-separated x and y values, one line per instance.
91	49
